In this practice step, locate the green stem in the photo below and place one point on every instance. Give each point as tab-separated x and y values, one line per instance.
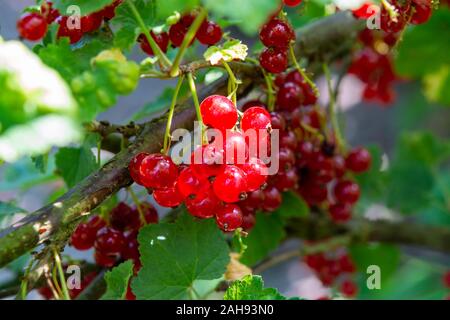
196	103
167	138
333	111
270	91
156	49
301	71
138	205
62	278
99	152
187	40
24	283
233	82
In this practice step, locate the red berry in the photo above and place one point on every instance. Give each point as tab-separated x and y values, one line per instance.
131	248
313	193
358	160
272	199
340	212
91	22
290	96
235	150
286	159
189	184
32	26
109	12
256	172
83	237
256	118
292	3
48	12
248	221
66	30
96	223
158	171
218	112
209	33
122	217
253	103
229	217
177	32
276	33
135	166
315	261
105	260
169	198
390	25
204	205
422	11
207	161
109	241
288	140
274	60
339	166
253	202
161	39
150	213
231	184
286	180
305	151
277	121
346	191
346	264
349	289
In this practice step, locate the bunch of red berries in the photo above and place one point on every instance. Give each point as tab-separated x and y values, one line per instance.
310	163
276	35
209	34
221	172
114	239
334	267
33	26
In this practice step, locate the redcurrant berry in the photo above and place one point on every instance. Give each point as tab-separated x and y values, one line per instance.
105	260
276	33
274	60
83	237
109	241
358	160
349	289
340	212
229	217
272	199
158	171
346	191
91	22
290	96
209	33
122	217
169	198
218	112
135	166
231	184
292	3
207	161
256	172
32	26
256	118
204	205
189	184
161	39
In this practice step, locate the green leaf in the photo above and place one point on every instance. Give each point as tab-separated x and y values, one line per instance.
250	14
434	66
175	255
251	288
85	6
117	281
127	27
292	206
74	164
166	8
7	209
264	237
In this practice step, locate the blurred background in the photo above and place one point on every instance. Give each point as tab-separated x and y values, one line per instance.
365	124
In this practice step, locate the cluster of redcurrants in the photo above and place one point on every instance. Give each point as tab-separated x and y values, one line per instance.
373	64
276	35
221	172
114	239
334	267
33	26
311	161
209	34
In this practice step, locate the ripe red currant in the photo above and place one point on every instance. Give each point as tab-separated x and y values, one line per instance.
286	180
235	150
204	205
135	166
207	161
150	213
32	26
109	241
256	172
340	212
209	33
276	33
169	198
83	237
277	121
346	264
231	184
158	171
218	112
292	3
256	118
161	39
274	60
177	32
253	202
346	191
65	30
358	160
422	11
189	184
289	96
91	22
229	217
131	248
349	289
105	260
122	217
272	199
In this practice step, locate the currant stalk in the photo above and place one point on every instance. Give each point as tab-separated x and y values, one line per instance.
187	40
138	205
62	278
270	91
301	71
233	82
332	111
167	137
193	90
156	49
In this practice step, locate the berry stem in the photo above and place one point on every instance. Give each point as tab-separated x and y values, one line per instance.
167	137
332	111
196	103
175	70
156	49
232	82
62	279
270	91
301	71
138	205
24	284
